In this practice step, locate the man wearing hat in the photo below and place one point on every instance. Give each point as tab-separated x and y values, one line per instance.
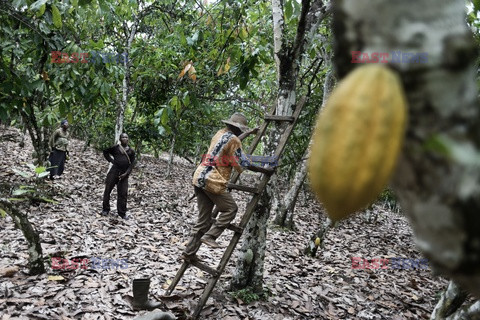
59	150
211	178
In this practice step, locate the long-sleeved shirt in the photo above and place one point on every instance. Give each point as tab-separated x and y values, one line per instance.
59	140
120	160
226	148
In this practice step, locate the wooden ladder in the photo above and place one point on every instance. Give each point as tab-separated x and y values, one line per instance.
238	229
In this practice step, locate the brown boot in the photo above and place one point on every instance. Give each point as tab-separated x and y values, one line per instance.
210	241
140	296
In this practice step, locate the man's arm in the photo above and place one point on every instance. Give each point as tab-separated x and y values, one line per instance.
130	167
242	160
53	138
107	154
132	163
268	171
246	134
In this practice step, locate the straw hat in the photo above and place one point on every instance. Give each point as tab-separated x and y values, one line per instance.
238	120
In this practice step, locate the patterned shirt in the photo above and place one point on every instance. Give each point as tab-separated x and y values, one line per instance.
59	140
226	149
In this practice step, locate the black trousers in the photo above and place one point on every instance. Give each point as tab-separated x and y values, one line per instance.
122	190
57	160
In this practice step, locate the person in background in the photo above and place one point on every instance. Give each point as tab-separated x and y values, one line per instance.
58	144
123	158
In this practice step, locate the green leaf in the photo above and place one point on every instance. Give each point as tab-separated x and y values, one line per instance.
37	4
296	8
41	11
83	3
476	5
17	199
57	17
161	130
17	4
19	192
464	153
22	173
43	174
37	84
3	113
288	10
176	104
164	118
44	28
3	213
48	200
39	170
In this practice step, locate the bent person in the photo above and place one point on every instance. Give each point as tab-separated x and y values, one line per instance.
210	182
58	144
123	158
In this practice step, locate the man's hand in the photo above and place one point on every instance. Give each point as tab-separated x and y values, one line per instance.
122	176
255	130
267	171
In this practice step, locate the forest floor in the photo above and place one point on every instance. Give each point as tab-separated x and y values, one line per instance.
301	287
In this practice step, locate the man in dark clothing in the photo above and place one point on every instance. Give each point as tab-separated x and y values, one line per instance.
58	144
123	161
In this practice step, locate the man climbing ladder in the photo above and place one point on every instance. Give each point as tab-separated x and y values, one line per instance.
210	182
256	190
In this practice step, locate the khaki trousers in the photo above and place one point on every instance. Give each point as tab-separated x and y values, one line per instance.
206	201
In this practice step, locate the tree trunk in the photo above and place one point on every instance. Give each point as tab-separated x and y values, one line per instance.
288	59
249	270
317	239
35	255
449	302
39	141
170	156
126	82
284	214
438	191
285	211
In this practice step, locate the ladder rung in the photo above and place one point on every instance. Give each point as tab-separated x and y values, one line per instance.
204	267
279	118
235	228
242	188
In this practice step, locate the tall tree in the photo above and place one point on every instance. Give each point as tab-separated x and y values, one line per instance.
284	212
288	54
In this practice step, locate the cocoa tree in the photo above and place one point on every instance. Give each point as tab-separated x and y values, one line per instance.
288	57
284	212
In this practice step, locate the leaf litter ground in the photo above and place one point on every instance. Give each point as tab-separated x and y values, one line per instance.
301	287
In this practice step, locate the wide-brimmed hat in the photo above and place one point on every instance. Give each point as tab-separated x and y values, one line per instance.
238	120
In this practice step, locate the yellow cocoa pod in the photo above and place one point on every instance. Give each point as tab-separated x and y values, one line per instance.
357	140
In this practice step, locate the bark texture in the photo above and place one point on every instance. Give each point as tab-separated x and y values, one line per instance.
250	264
35	255
449	302
438	191
130	34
